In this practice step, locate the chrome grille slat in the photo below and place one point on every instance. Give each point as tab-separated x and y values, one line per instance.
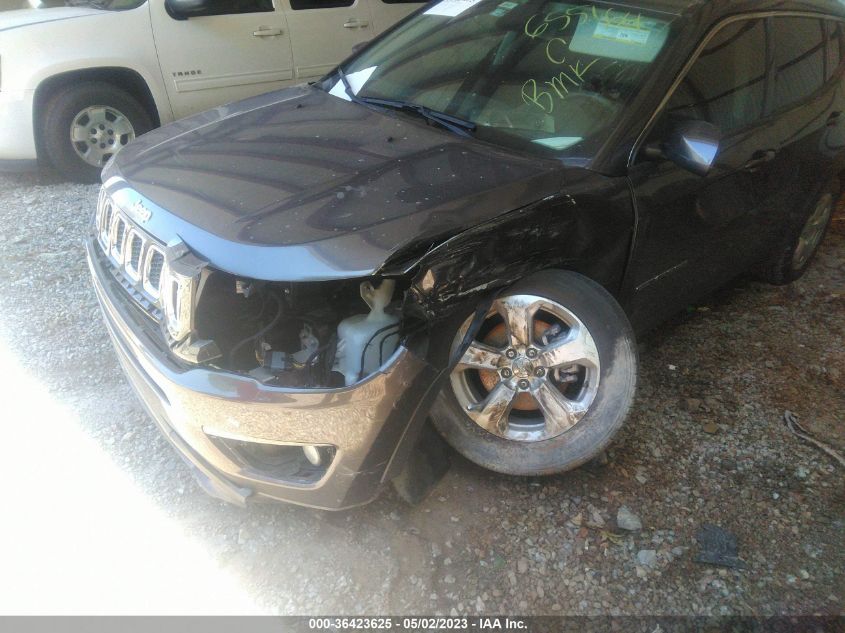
156	268
118	238
153	267
135	246
104	225
136	260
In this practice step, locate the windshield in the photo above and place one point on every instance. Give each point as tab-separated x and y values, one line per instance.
105	5
550	76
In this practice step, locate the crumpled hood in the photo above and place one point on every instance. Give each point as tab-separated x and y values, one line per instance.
25	17
316	187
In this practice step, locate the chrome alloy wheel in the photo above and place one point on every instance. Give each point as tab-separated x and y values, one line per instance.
97	132
532	371
812	232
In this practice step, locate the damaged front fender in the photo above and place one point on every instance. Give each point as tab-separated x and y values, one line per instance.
587	229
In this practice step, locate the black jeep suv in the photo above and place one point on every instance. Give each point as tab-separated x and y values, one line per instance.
468	220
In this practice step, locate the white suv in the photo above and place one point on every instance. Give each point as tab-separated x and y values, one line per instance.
81	78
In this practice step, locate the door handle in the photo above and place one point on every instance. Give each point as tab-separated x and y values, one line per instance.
356	24
263	31
760	158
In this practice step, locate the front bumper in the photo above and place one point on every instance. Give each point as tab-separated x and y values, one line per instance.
372	424
17	137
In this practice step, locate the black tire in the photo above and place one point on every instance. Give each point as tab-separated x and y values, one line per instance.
779	267
62	109
614	340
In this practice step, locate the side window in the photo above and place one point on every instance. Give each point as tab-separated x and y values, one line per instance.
727	84
799	60
834	49
230	7
299	5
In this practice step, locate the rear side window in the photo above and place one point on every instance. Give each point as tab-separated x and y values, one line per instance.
232	7
834	49
799	60
727	84
299	5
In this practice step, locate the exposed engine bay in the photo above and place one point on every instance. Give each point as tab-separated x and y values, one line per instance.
318	335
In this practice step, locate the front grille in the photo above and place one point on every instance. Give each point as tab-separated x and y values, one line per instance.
134	258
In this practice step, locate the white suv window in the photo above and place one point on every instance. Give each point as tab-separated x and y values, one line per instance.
299	5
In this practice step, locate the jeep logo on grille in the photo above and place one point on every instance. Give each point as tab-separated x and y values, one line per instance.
139	212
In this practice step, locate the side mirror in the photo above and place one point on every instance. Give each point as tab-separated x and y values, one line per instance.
691	145
184	9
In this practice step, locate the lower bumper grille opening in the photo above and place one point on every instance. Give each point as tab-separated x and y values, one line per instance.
293	464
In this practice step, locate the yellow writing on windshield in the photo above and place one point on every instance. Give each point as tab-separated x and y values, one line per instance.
554	48
531	94
572	77
558	21
560	84
536	26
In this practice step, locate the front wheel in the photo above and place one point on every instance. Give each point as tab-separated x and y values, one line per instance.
547	380
86	124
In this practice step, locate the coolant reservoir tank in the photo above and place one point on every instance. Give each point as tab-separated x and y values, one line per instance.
372	337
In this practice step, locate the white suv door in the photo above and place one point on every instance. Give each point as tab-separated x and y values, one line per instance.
242	50
323	33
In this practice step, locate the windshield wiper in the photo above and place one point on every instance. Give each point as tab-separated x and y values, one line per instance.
454	124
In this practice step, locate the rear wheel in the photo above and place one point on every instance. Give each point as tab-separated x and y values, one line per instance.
547	380
801	238
86	124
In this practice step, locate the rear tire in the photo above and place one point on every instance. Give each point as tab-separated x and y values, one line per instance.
800	240
85	124
599	389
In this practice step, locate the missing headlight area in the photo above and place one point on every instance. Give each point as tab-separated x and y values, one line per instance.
317	334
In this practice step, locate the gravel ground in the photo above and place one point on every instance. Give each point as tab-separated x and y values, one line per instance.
706	443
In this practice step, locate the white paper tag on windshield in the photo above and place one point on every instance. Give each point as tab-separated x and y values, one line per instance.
451	8
356	82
